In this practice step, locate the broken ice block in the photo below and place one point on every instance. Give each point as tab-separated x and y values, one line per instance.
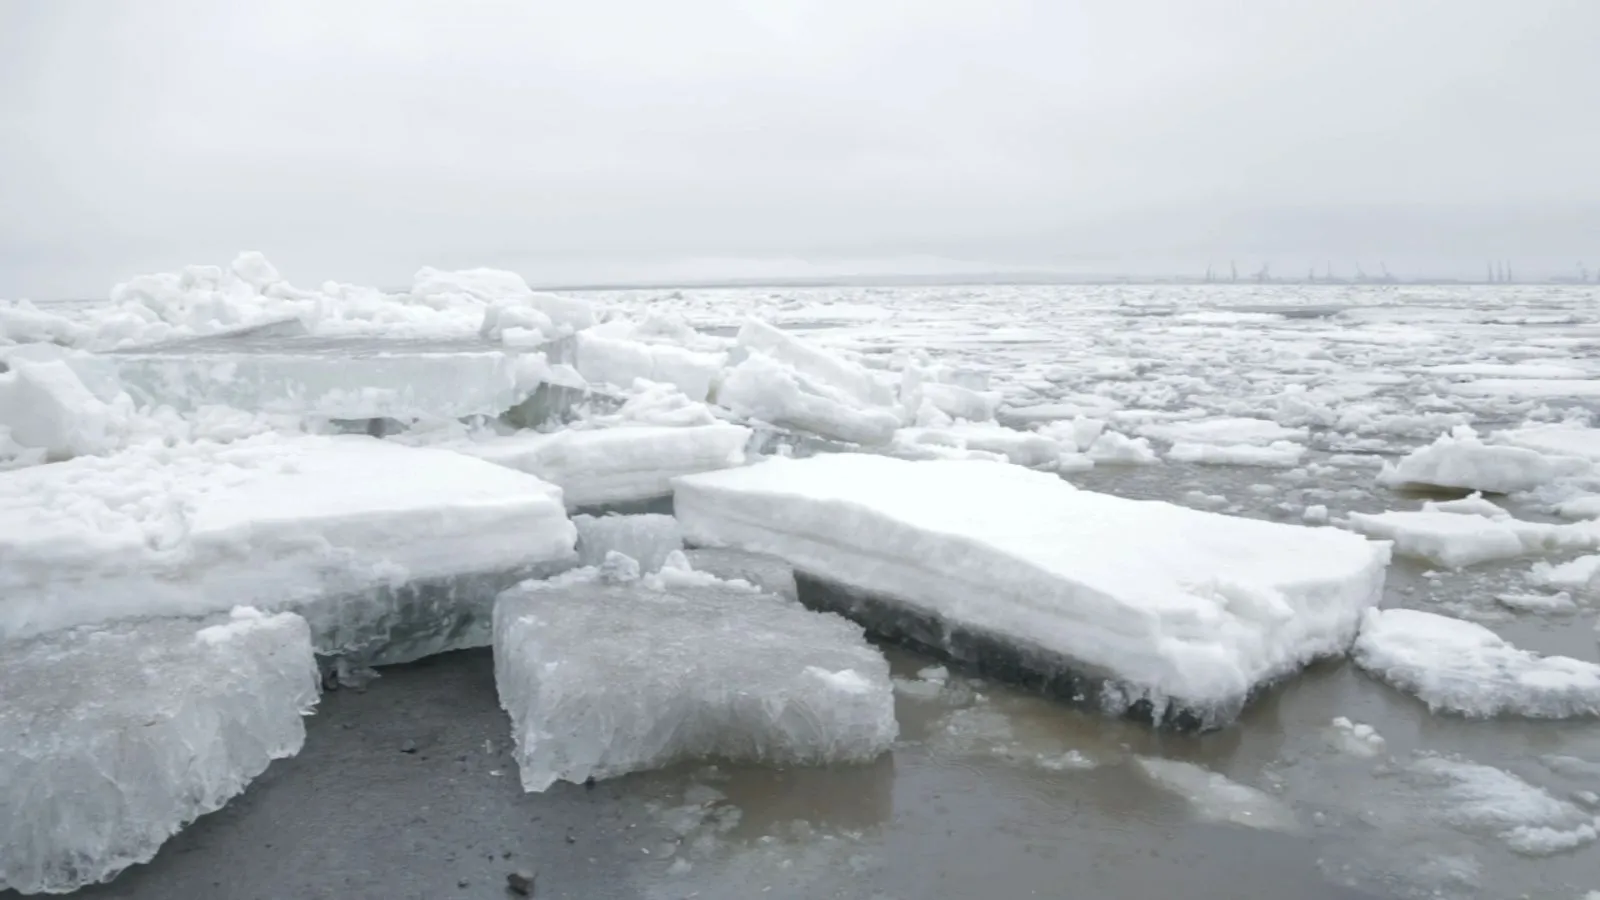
390	552
114	737
817	364
647	539
1458	539
1460	460
1171	613
605	679
610	360
332	377
1465	668
769	573
763	388
616	465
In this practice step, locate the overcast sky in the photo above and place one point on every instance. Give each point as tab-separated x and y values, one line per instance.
604	140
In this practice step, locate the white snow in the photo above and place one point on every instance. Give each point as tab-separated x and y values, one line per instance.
1460	460
344	530
112	738
648	539
45	406
1465	668
1581	574
1169	603
614	465
605	679
1456	540
1225	432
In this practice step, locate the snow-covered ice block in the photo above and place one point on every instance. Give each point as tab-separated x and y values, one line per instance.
605	679
46	406
1224	432
1461	460
615	465
1554	440
1023	448
609	360
1455	540
647	539
817	364
1277	455
1465	668
390	552
1581	574
763	388
1177	612
769	573
114	737
339	377
1119	449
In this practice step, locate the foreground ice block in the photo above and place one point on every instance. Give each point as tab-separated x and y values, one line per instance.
647	539
114	737
616	465
1465	668
1170	613
390	552
604	679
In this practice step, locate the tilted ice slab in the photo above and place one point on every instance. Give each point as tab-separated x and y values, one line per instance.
1455	540
1463	667
390	552
1017	572
112	738
1460	460
812	362
647	539
605	679
763	388
616	465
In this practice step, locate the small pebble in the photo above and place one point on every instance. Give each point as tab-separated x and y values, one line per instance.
520	883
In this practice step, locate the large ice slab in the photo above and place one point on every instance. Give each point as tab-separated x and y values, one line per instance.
1465	668
385	549
112	738
1175	613
1456	540
604	679
616	465
1461	460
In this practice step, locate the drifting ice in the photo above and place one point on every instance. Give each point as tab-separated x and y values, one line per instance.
1455	540
390	552
605	679
113	738
1465	668
1016	572
1461	460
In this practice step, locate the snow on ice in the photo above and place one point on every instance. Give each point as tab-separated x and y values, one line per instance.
1461	460
383	548
1465	668
1456	540
114	737
1188	610
601	679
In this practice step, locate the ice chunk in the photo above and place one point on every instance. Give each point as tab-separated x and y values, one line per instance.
1356	738
1216	798
1118	449
1554	440
1456	540
1465	668
386	550
1486	800
609	360
768	573
615	465
487	288
1277	455
1581	574
953	400
763	388
45	406
1473	504
22	322
1223	432
648	539
1460	460
816	364
1024	448
605	679
1015	569
113	738
1559	602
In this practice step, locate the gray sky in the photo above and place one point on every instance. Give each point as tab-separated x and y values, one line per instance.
609	140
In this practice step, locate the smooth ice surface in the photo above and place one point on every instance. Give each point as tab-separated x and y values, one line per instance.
1465	668
1461	460
1163	602
1217	798
340	529
112	738
604	679
768	573
1456	539
615	465
647	539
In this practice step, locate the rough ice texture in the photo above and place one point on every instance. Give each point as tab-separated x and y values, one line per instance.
1023	448
647	539
1119	449
1455	540
605	679
112	738
609	360
817	364
385	549
1461	460
768	573
45	406
1223	432
616	465
1178	612
1481	799
1581	574
1554	440
1277	455
1465	668
763	388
